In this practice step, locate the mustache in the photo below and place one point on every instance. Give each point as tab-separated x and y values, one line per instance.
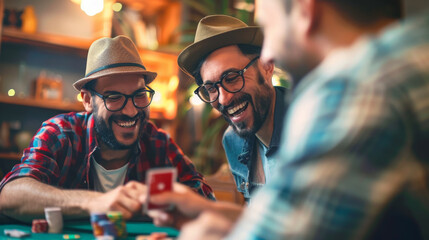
244	97
122	117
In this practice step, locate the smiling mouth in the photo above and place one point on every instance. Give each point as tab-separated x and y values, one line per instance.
126	124
237	109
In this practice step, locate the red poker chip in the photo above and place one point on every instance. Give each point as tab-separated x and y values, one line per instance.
39	226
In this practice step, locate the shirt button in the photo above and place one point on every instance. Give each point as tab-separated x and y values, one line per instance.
243	186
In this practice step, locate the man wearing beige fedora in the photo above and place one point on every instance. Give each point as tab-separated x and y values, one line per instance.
96	161
224	61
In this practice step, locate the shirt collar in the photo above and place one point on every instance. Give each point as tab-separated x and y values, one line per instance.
280	109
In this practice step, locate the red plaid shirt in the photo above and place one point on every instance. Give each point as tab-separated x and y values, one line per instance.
60	154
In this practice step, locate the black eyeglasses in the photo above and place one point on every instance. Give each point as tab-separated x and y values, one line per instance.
116	101
232	82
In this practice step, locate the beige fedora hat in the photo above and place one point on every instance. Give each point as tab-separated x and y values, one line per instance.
112	56
213	32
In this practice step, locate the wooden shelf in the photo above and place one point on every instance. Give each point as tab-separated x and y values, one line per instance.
11	156
48	104
77	46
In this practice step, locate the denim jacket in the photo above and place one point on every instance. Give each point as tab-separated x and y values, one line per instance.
240	151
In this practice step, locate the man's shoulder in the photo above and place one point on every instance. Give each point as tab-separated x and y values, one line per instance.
229	134
69	120
152	132
231	140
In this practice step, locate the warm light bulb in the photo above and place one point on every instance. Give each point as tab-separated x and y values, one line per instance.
157	97
170	108
195	100
173	84
11	92
117	7
92	7
79	97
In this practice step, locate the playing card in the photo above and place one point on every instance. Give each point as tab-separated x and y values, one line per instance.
159	180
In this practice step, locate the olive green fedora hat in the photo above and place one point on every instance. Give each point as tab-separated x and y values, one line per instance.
213	32
113	56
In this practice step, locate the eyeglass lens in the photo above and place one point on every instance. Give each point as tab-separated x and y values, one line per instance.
231	82
115	102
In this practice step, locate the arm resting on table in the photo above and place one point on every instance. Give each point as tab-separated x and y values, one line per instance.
25	199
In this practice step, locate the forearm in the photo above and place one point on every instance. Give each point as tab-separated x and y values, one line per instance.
229	210
25	199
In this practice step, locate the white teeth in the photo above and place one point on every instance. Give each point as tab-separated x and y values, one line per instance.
233	110
126	124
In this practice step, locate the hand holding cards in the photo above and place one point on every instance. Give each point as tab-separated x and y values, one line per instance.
159	180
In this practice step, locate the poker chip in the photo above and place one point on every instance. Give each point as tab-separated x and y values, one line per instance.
71	236
54	217
119	223
96	218
108	228
154	236
158	235
111	223
39	226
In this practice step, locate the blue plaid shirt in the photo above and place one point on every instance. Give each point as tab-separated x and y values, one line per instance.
355	142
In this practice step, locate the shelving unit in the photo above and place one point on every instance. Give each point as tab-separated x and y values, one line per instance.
11	155
30	102
60	43
26	110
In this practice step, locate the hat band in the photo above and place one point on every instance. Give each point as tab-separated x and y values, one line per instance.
115	65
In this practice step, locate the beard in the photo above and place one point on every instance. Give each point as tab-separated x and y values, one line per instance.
105	132
260	109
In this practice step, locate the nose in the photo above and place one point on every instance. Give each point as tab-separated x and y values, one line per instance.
224	96
129	109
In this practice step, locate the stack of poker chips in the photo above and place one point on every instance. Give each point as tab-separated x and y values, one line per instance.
39	226
119	223
110	224
96	218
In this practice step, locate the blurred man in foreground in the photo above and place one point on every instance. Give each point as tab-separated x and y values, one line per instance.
96	161
353	157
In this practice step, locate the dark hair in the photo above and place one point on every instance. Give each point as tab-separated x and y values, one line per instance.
363	12
245	49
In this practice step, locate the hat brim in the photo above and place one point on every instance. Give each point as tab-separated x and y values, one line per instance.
149	76
189	58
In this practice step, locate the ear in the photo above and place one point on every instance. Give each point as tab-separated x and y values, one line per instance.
86	99
308	16
267	69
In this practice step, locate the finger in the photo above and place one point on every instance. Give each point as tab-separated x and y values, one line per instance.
161	218
180	188
166	198
137	185
125	199
136	189
126	214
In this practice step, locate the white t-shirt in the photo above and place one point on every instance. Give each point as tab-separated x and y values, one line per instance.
106	180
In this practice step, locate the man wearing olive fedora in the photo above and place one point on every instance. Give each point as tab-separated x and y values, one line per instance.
224	61
96	161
